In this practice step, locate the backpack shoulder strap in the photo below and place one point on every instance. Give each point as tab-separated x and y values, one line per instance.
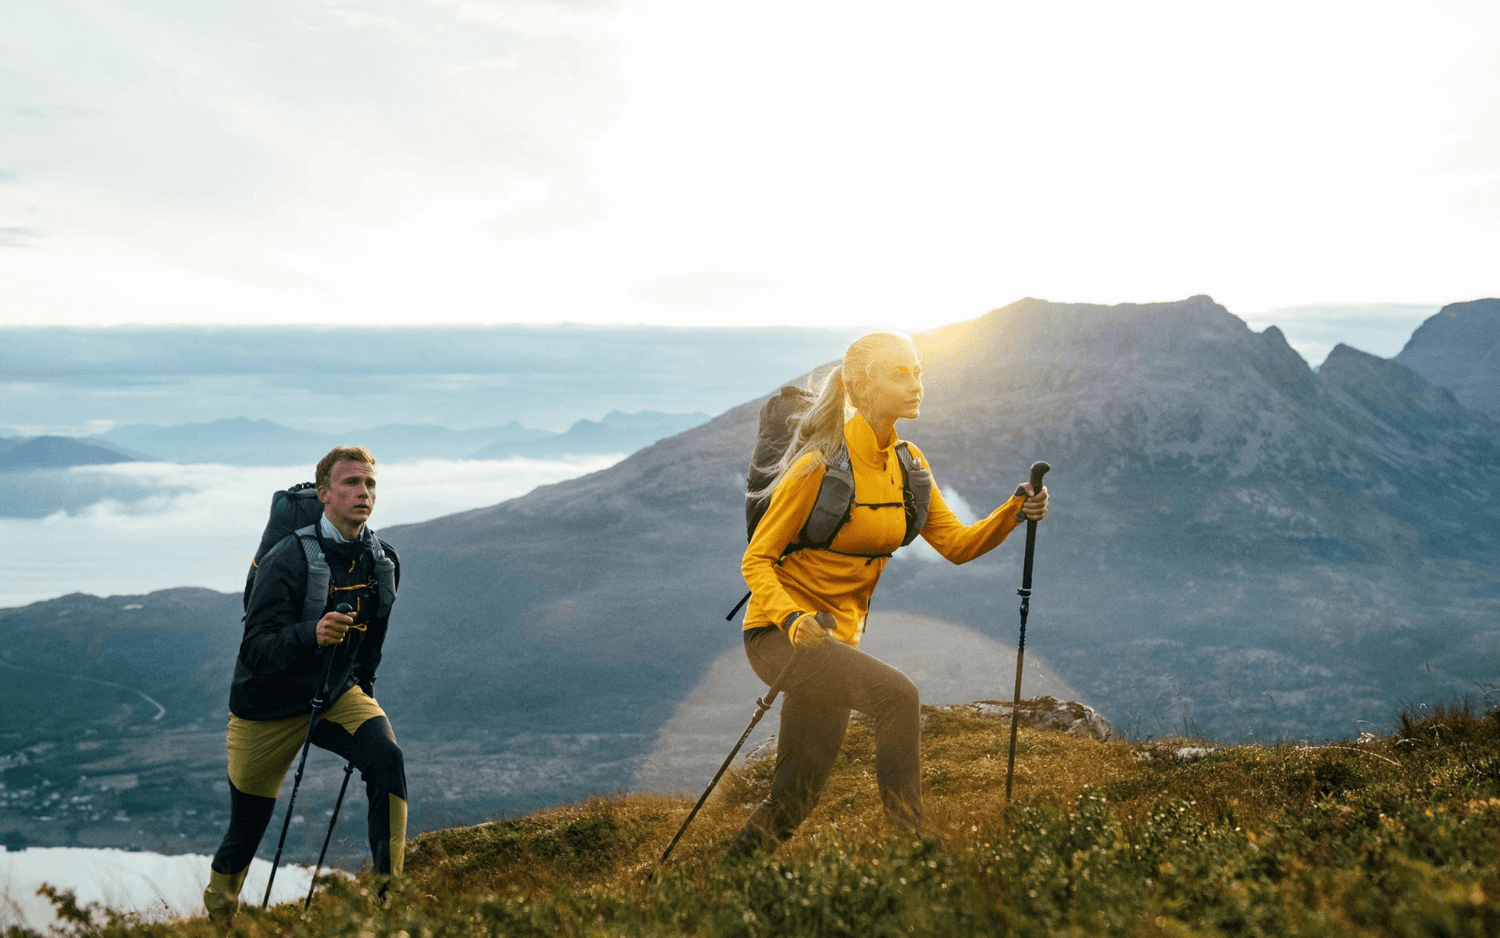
318	574
385	574
916	491
832	508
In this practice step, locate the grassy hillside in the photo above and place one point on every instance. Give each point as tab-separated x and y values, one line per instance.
1396	835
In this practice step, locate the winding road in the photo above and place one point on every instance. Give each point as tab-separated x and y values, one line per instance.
160	710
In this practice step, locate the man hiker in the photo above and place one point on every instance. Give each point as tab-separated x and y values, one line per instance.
293	638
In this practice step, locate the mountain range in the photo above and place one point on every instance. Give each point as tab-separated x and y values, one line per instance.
60	452
1239	546
33	488
246	442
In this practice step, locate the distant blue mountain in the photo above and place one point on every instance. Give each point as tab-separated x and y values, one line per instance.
430	441
62	452
239	441
34	489
616	433
455	376
242	441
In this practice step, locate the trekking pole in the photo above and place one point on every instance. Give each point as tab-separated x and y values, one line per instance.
1038	469
761	706
318	703
348	769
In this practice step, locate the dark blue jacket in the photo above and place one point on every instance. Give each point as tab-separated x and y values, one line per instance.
279	665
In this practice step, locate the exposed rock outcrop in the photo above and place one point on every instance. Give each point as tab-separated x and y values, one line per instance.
1047	713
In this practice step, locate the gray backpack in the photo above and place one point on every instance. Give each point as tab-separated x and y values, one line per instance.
296	510
835	502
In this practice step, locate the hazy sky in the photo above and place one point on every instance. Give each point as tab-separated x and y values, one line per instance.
816	162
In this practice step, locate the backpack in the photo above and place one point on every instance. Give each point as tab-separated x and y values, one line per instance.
296	510
835	501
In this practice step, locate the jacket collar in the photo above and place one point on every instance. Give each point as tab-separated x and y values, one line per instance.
331	535
862	444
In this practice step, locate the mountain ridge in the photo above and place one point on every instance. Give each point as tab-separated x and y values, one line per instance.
1264	459
1239	546
246	441
59	452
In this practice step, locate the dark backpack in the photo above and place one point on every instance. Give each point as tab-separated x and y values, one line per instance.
771	440
836	492
835	501
296	510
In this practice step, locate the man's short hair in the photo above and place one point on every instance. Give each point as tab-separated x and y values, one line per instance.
339	454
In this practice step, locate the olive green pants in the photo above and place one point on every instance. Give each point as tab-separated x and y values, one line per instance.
824	685
261	751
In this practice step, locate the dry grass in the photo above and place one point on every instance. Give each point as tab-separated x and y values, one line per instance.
1396	836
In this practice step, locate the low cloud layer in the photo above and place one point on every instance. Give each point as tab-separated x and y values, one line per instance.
198	525
158	888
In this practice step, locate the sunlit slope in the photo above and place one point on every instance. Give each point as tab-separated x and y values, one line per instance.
1239	544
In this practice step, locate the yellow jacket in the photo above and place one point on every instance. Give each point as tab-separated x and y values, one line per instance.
832	580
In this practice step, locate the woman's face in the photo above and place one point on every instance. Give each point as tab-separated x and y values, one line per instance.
894	389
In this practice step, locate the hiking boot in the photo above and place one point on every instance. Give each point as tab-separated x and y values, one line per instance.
222	896
749	844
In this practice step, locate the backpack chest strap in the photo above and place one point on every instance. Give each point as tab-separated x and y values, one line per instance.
320	575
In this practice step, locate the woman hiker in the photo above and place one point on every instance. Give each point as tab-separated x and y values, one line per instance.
879	381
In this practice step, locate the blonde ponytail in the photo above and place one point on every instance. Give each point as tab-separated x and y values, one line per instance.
820	428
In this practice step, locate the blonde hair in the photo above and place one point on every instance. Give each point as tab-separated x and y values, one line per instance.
819	429
339	454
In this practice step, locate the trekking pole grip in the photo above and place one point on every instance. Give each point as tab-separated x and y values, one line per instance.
1038	469
329	654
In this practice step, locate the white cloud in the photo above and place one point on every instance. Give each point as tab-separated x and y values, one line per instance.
205	523
158	888
535	19
712	289
484	160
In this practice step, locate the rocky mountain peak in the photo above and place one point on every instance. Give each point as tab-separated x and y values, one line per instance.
1224	516
1458	348
1377	381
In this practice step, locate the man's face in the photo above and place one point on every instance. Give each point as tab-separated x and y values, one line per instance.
349	496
